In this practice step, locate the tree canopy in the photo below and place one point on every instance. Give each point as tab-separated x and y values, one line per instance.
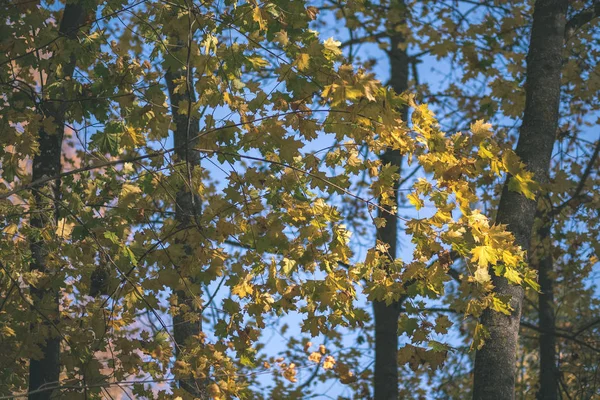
183	180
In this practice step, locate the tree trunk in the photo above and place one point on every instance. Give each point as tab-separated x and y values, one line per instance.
45	371
386	317
548	368
495	362
185	135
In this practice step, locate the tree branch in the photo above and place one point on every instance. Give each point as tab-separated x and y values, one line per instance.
581	184
582	18
562	335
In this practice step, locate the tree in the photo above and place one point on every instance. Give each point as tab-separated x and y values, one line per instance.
165	270
477	39
494	364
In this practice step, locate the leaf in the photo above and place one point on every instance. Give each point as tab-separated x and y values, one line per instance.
64	228
281	37
484	255
315	356
243	288
345	375
7	331
302	61
49	125
501	306
130	255
333	46
481	128
523	183
513	275
479	337
482	275
258	62
287	266
289	373
112	237
247	359
414	199
257	16
132	138
11	229
108	141
512	162
329	362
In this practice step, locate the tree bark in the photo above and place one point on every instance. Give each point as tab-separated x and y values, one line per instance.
548	369
185	136
386	317
495	363
45	371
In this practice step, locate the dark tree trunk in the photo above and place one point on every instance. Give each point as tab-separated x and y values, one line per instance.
45	371
386	317
188	208
548	368
495	363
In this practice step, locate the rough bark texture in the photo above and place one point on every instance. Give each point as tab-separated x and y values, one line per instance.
386	317
185	135
495	362
45	371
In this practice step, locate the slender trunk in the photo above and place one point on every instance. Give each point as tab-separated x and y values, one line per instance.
45	371
185	136
495	362
386	317
548	368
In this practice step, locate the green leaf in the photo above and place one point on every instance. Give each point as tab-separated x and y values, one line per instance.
112	237
108	140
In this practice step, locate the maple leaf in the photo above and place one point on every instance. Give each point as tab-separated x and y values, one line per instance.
484	256
333	46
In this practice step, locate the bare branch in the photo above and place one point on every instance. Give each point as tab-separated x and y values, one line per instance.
582	18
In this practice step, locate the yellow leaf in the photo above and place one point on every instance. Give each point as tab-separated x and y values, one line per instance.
213	389
290	373
329	362
333	46
64	229
315	357
482	275
7	331
501	306
257	16
302	61
484	255
523	183
479	337
10	229
513	275
242	289
132	138
281	37
258	62
509	258
129	189
484	152
481	128
414	199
